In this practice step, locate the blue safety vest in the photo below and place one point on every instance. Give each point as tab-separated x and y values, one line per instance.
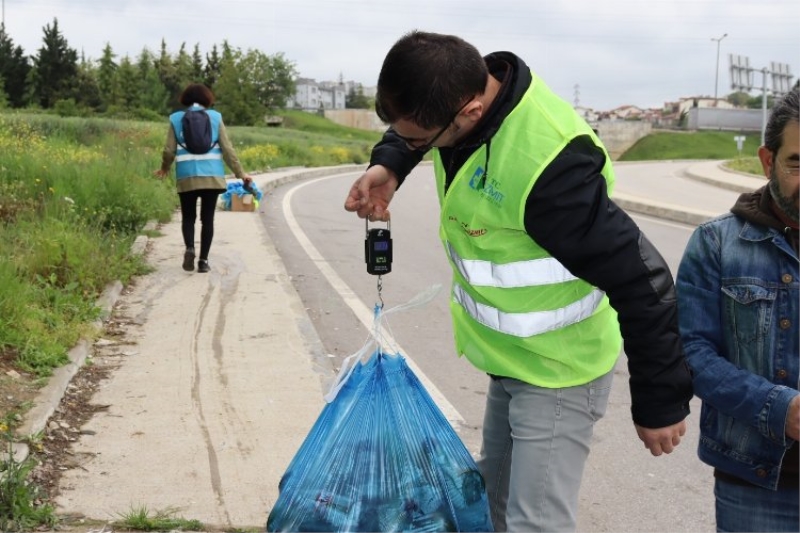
189	165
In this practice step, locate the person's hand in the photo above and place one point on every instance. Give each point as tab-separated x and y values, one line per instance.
662	440
371	193
160	173
793	419
246	181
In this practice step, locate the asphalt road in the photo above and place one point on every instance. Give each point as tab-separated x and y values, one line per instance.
624	488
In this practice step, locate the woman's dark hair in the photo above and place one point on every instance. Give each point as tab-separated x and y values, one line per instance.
426	77
197	93
785	111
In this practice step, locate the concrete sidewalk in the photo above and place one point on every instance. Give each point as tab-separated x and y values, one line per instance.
212	388
216	382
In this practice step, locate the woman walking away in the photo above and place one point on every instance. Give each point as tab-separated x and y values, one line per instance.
199	144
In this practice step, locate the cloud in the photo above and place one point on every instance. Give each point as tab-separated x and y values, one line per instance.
604	53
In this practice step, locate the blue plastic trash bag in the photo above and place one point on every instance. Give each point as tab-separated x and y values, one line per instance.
237	187
381	457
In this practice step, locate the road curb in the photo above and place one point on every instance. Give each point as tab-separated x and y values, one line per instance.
665	211
35	419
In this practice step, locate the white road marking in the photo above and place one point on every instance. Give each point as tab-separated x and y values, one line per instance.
362	312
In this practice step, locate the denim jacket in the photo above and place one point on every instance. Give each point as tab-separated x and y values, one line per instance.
737	289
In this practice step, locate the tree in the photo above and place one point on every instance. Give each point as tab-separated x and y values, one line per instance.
168	75
55	68
271	77
212	68
756	101
14	70
107	78
739	98
129	84
252	83
355	98
235	94
197	65
281	75
87	90
154	95
184	68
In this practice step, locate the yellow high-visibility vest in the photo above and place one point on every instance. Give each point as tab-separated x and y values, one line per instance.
517	312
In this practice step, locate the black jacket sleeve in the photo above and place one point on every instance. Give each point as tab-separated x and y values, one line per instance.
393	153
570	215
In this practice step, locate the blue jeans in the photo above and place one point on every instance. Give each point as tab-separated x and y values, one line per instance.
750	508
535	445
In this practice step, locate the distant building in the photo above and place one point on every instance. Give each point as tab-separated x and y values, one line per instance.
588	114
688	102
625	112
312	96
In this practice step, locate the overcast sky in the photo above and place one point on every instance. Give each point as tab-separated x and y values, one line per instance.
602	53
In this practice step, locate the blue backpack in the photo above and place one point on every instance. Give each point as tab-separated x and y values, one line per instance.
196	126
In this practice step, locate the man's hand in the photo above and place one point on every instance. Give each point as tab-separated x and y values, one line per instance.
160	173
371	193
793	419
662	440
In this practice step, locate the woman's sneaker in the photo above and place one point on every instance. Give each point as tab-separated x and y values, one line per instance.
203	266
188	260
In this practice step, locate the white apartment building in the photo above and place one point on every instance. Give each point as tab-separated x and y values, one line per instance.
312	96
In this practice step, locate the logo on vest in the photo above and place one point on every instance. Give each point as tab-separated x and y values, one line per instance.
489	189
472	232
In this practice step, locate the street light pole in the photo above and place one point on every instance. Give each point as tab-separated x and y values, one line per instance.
716	73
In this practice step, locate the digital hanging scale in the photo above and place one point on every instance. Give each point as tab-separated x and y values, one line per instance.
378	249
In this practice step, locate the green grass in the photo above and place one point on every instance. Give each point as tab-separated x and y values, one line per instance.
750	165
21	502
663	145
141	519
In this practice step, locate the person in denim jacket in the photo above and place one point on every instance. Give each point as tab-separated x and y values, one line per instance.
738	292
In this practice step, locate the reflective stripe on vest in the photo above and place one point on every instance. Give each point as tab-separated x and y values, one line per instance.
532	323
478	273
517	311
184	155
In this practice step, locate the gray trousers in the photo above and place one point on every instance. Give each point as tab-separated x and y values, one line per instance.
535	445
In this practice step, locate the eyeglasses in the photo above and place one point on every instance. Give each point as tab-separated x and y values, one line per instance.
791	171
422	148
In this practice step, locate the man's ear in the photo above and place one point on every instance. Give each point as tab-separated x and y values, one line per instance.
474	110
766	158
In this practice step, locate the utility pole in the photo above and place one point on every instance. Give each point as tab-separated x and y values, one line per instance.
716	72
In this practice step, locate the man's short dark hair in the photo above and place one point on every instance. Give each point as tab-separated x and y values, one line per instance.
197	93
786	110
426	77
